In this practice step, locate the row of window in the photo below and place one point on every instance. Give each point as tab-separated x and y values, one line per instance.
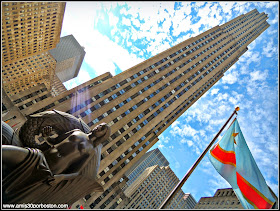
233	52
154	184
190	99
227	202
146	88
71	95
148	119
105	193
252	25
134	76
152	160
238	20
128	87
244	17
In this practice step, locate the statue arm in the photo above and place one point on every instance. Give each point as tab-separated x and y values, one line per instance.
60	177
47	132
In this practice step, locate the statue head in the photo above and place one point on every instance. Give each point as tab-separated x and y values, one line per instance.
99	134
75	148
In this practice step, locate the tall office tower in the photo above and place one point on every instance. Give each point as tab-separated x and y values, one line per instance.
223	199
141	102
29	28
69	55
151	158
150	189
28	72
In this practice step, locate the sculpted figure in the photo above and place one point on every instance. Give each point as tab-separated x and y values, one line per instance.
63	173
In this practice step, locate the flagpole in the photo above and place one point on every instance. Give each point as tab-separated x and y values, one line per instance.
181	183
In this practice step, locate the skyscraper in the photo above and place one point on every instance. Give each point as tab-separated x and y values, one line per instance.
151	158
69	55
28	72
141	102
29	30
150	189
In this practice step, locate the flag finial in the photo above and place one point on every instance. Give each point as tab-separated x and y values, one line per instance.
237	108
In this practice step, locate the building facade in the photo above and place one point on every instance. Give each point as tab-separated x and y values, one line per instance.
223	199
29	28
150	189
141	102
69	55
144	175
151	158
28	72
191	202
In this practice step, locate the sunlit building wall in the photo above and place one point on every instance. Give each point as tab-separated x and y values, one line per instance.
29	28
152	187
223	199
28	72
151	158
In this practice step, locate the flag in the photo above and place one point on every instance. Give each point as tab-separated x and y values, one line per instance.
233	160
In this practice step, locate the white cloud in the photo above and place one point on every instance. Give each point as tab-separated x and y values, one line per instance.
258	75
235	98
275	20
126	21
190	143
230	77
160	146
270	50
270	31
177	165
214	91
222	96
113	20
164	139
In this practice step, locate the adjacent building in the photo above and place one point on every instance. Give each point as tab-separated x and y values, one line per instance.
28	72
223	199
141	102
151	158
149	181
69	55
29	28
150	189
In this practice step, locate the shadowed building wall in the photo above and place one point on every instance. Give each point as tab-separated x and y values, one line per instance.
69	55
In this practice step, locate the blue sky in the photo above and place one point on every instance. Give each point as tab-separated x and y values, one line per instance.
119	35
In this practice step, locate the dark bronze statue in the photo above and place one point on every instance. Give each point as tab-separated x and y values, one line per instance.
54	161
